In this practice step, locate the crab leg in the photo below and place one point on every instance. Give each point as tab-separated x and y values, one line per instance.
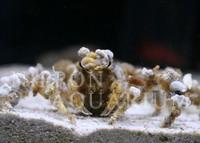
140	98
58	103
175	104
77	100
121	109
126	102
157	103
113	101
175	112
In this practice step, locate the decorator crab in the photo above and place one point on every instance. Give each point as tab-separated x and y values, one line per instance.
97	86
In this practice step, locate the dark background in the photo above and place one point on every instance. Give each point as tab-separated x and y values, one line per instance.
143	32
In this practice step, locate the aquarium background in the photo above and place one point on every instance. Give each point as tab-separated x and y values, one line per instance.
143	32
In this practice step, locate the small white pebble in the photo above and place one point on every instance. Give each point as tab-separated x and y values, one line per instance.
135	91
178	86
147	72
187	80
83	51
181	100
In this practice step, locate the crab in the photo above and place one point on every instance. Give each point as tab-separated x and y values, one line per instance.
94	86
98	86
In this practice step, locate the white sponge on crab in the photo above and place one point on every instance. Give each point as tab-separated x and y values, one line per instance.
181	100
107	54
178	86
187	80
83	51
147	72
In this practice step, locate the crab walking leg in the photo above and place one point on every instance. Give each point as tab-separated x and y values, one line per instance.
58	103
126	102
113	101
175	112
122	108
77	100
141	97
7	102
5	105
147	89
175	104
157	103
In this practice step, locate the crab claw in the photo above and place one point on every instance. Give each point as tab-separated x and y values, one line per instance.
86	112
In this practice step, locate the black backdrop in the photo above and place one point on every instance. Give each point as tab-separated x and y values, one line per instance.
142	32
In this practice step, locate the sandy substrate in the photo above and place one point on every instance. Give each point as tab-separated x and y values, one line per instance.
34	120
17	130
137	118
37	122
